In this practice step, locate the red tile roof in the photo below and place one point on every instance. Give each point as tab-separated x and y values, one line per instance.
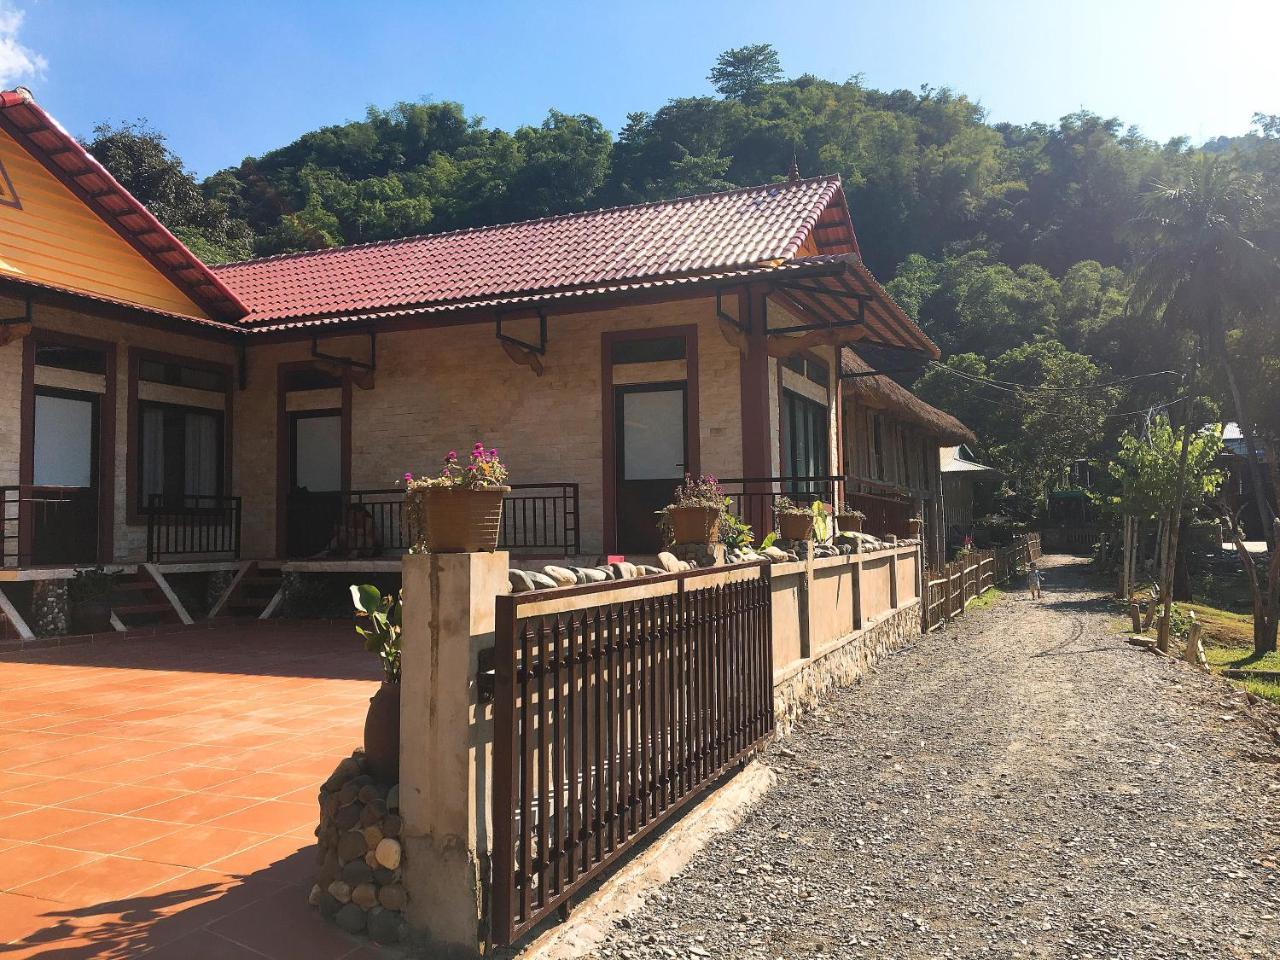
664	240
63	156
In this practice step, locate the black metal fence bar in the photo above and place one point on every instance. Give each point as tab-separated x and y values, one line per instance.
541	516
10	521
204	526
610	716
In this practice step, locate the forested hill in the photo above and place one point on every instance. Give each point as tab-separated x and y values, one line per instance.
995	236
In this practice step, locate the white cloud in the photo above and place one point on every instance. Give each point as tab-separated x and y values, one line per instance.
17	62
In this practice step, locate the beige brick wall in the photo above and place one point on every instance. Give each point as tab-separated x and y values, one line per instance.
443	389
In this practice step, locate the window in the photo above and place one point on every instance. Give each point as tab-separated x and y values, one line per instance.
649	350
180	450
877	447
805	437
815	371
181	375
83	359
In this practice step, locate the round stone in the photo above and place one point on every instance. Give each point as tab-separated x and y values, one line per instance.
350	918
388	853
351	846
368	793
382	876
340	891
393	798
392	825
328	904
372	836
348	793
373	811
356	872
365	895
393	897
347	817
313	897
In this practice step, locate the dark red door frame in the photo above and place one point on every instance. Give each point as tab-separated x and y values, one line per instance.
106	435
284	455
608	414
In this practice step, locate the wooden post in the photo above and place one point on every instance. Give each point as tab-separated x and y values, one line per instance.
1135	614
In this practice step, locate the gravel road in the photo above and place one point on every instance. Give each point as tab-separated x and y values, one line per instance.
1024	784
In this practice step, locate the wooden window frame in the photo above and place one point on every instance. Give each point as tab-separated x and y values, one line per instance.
133	447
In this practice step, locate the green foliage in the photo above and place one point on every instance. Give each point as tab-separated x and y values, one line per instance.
735	533
378	622
769	540
822	526
1146	468
91	585
740	73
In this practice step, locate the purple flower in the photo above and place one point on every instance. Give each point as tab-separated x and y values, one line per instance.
493	454
452	457
407	476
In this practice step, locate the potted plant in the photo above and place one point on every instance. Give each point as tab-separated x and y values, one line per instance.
460	509
913	527
90	594
794	522
693	516
378	622
849	520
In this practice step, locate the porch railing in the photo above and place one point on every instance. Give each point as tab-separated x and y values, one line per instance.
193	526
752	498
10	519
613	709
43	525
370	523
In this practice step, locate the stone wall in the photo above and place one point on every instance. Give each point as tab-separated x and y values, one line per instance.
358	854
840	665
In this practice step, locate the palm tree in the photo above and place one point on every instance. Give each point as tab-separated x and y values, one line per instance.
1199	270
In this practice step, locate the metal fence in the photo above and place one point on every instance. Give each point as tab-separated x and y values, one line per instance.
204	526
949	590
541	516
614	705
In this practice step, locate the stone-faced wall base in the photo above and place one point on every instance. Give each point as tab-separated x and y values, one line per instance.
50	608
700	554
359	859
840	664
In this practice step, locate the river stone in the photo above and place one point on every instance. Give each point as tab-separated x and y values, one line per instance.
384	877
328	871
775	554
355	873
384	926
348	793
590	575
350	918
563	576
519	581
369	793
372	835
365	895
340	891
328	904
393	897
540	581
623	570
347	817
351	846
392	825
669	561
393	798
645	570
388	853
373	811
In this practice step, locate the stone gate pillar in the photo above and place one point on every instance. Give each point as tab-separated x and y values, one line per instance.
446	738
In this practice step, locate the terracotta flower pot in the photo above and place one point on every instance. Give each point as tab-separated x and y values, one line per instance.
694	524
795	526
849	522
382	734
462	520
91	616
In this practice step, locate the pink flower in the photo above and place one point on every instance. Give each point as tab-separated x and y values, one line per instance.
407	476
493	454
452	457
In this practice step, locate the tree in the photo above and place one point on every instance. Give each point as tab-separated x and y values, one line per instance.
741	72
1199	269
138	157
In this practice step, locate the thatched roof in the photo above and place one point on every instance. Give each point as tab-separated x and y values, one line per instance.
886	393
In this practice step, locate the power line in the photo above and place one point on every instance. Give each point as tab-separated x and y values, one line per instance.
1009	386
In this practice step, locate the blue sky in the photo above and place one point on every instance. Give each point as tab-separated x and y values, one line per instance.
230	79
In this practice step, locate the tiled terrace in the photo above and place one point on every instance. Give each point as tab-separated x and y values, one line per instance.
157	796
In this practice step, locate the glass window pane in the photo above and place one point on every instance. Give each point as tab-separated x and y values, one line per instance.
318	450
202	455
84	359
650	350
152	441
63	442
653	435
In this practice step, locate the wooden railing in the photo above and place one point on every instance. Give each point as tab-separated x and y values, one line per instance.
615	704
949	590
208	527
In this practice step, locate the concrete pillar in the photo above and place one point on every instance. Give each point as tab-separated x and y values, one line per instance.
446	740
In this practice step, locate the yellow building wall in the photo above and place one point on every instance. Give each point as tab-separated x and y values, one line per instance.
54	238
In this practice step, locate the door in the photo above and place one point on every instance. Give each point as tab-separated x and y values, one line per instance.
315	480
63	499
651	444
805	442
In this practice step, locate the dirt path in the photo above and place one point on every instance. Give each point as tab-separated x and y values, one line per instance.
1023	784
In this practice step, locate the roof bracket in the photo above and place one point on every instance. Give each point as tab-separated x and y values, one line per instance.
15	328
539	348
370	365
726	317
832	324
